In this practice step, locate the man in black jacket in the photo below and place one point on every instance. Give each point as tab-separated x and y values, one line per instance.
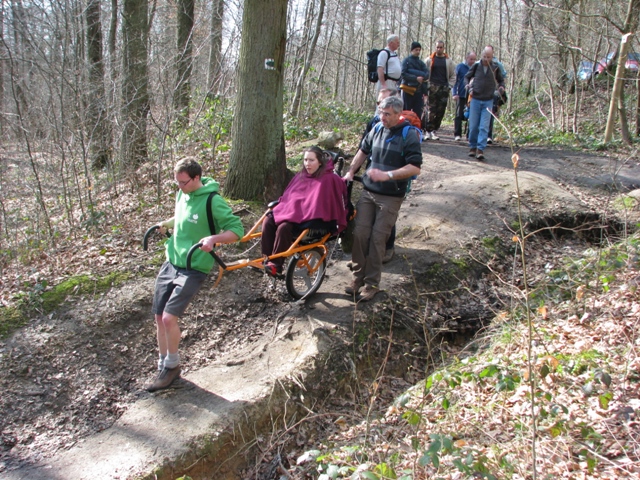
414	79
396	156
483	79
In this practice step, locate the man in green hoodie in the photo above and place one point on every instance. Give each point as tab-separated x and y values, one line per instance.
175	285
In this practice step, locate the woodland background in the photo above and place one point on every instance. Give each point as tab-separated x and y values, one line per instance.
90	91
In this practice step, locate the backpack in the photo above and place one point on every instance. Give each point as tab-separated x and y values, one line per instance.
405	130
411	117
372	63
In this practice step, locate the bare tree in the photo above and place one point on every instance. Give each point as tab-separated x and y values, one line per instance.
215	47
295	103
99	130
257	167
135	93
182	93
617	96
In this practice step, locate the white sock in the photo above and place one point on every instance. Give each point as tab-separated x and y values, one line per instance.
172	360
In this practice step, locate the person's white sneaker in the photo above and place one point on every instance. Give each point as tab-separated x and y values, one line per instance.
457	139
434	136
489	141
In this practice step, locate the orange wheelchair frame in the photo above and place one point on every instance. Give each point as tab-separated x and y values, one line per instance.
306	268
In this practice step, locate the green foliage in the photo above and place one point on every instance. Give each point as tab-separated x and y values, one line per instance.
11	318
322	115
467	460
625	202
210	131
596	268
92	218
492	245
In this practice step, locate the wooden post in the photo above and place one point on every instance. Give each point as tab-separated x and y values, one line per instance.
618	85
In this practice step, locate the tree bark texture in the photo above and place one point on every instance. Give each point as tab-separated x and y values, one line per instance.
135	96
257	167
97	118
617	94
184	60
215	46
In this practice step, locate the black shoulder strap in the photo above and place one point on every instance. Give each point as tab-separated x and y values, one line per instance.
386	65
212	226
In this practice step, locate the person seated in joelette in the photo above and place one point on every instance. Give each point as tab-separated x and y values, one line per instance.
315	198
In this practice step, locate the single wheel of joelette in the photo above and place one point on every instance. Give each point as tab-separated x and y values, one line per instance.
305	272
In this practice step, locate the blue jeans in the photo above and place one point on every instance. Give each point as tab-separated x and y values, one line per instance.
479	120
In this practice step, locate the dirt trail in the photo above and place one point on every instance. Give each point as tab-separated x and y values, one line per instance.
73	403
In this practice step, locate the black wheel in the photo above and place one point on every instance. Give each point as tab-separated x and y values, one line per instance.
305	272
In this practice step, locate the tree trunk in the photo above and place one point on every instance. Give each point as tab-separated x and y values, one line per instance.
112	42
99	129
257	166
525	25
21	56
182	92
618	92
2	69
637	82
215	48
135	96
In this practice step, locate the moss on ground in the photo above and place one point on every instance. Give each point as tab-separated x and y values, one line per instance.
40	300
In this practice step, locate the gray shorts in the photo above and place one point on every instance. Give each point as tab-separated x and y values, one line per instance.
175	287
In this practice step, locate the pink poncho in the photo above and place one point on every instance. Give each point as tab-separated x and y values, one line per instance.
308	198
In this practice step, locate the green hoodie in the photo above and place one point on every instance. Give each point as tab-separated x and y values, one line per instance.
191	225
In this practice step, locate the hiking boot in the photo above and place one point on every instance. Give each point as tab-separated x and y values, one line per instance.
388	255
368	293
480	155
472	152
434	136
166	377
354	287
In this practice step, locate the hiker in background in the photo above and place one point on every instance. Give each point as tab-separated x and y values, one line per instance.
394	160
389	66
483	79
460	95
414	80
315	198
498	100
175	285
442	77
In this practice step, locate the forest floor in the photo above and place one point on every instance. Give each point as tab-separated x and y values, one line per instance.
67	376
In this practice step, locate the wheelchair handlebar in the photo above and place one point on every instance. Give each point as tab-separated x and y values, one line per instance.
339	165
213	254
148	233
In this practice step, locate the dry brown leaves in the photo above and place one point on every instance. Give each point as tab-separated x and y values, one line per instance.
586	367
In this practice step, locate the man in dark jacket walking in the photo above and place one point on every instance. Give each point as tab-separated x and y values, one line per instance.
414	79
395	157
483	79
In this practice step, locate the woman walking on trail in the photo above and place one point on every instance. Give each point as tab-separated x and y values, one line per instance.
315	198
